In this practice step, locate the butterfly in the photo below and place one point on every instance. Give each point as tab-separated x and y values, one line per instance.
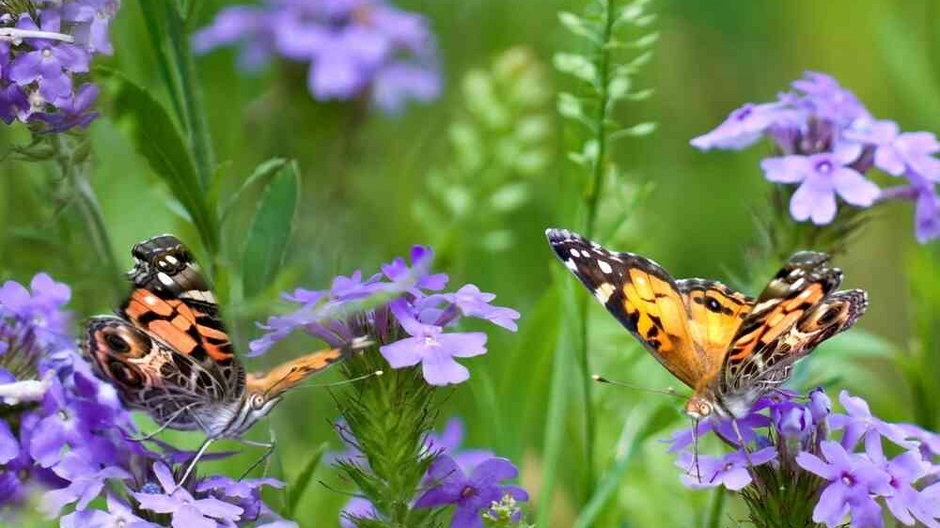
167	352
728	348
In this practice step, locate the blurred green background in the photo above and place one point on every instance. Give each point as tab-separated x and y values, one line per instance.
367	180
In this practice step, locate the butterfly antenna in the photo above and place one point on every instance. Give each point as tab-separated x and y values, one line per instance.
350	381
669	391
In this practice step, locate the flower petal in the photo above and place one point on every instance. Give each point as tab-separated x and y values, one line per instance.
854	188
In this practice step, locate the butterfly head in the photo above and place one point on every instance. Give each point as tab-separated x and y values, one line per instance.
699	408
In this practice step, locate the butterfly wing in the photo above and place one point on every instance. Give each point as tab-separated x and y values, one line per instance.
171	301
288	375
716	312
642	296
795	312
149	375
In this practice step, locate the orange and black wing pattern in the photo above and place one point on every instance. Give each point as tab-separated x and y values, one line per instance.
716	313
171	301
642	296
796	311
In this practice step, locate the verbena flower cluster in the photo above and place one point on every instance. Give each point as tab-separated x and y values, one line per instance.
469	480
66	435
857	464
412	328
45	52
354	48
826	143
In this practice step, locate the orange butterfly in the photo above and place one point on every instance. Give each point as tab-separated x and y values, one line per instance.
730	349
168	353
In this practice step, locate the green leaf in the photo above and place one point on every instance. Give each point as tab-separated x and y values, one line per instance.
262	173
270	230
151	130
577	25
569	106
295	490
576	65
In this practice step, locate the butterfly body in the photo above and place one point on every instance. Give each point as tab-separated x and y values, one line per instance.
730	349
168	354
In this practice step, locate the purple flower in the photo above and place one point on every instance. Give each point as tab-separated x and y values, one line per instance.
448	443
9	445
92	19
118	514
474	303
471	495
357	508
852	479
746	125
245	494
821	177
185	509
431	347
820	406
859	423
792	419
50	64
86	481
897	152
353	48
417	277
827	99
730	471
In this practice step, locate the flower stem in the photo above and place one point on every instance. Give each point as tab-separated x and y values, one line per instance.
74	171
592	201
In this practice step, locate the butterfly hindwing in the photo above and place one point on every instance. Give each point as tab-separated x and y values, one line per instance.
149	375
797	295
641	295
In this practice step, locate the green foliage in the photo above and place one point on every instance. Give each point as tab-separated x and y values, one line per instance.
500	144
295	491
271	229
388	418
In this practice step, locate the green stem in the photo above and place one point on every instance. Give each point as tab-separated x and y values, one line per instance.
716	508
75	172
592	202
190	93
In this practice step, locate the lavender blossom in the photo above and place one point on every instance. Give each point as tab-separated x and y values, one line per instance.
412	328
472	495
827	142
43	62
816	452
354	48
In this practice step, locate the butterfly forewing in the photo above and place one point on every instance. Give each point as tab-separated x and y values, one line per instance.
172	301
641	295
716	313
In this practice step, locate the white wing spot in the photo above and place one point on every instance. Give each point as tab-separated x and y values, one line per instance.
171	259
165	279
150	299
603	292
605	267
574	252
571	265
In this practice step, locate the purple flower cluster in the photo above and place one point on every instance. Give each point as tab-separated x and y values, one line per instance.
826	142
412	328
43	57
856	477
66	434
468	479
354	48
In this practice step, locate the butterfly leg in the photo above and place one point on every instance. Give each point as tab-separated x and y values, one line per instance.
192	464
265	457
741	442
163	427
